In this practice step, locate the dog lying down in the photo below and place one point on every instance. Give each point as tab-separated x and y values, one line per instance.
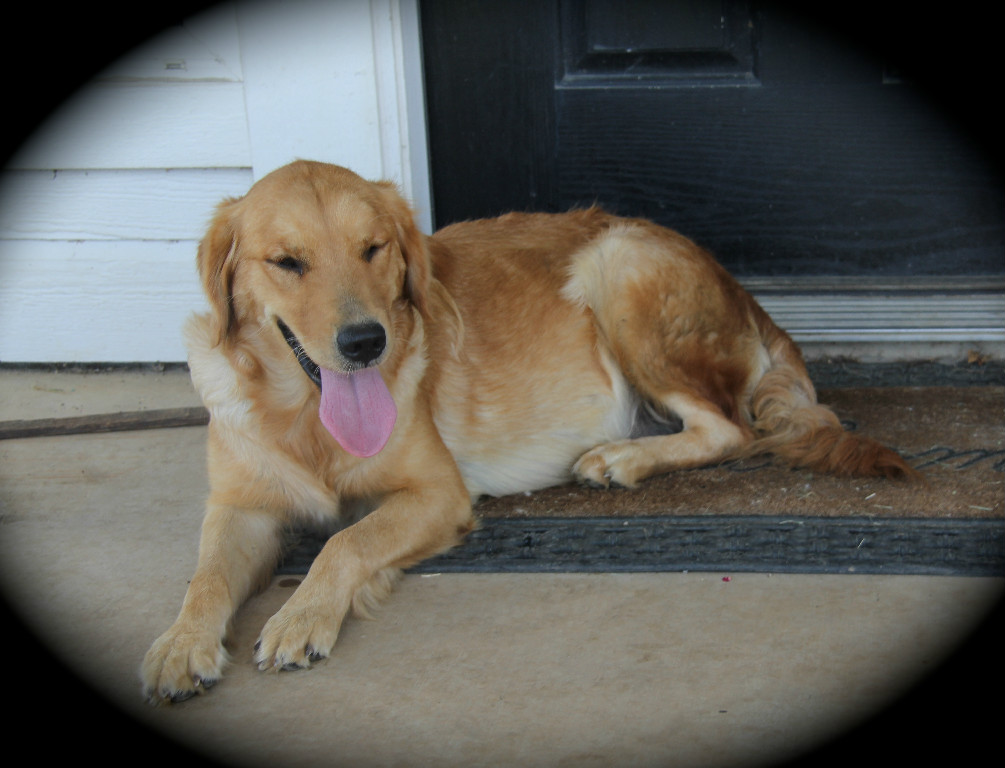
348	358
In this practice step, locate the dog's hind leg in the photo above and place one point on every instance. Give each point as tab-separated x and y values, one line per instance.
684	335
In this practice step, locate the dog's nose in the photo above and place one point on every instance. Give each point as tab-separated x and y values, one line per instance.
362	343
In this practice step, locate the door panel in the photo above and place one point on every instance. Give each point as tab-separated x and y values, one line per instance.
647	43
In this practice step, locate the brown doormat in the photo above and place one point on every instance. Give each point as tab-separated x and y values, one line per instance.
758	515
954	435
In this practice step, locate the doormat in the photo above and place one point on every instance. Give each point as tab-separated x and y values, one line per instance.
760	515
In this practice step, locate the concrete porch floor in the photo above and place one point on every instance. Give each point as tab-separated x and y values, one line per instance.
99	537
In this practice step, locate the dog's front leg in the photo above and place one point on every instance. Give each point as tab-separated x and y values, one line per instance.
409	525
237	552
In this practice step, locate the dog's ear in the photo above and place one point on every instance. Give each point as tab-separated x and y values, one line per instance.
216	261
412	244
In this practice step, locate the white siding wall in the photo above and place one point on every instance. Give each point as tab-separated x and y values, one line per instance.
101	212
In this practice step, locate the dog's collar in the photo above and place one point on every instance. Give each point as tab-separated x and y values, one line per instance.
312	369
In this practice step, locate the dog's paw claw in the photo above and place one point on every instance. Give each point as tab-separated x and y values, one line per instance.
315	655
204	682
280	665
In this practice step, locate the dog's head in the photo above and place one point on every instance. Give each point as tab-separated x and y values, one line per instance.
330	263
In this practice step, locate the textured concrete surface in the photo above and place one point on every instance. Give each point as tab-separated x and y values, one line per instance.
99	536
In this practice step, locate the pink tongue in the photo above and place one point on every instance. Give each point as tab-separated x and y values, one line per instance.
357	409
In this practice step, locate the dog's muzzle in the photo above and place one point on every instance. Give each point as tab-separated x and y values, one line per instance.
355	406
361	344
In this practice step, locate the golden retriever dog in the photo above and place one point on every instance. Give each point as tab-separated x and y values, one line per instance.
349	359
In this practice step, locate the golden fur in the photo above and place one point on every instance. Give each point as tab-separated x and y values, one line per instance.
520	352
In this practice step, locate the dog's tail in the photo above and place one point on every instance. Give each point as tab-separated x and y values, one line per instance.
790	423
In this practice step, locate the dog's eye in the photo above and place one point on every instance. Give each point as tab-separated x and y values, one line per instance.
288	264
372	251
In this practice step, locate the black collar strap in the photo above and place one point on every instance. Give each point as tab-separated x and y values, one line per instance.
311	368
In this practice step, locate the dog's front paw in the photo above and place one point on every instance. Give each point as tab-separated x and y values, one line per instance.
612	464
297	636
181	663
